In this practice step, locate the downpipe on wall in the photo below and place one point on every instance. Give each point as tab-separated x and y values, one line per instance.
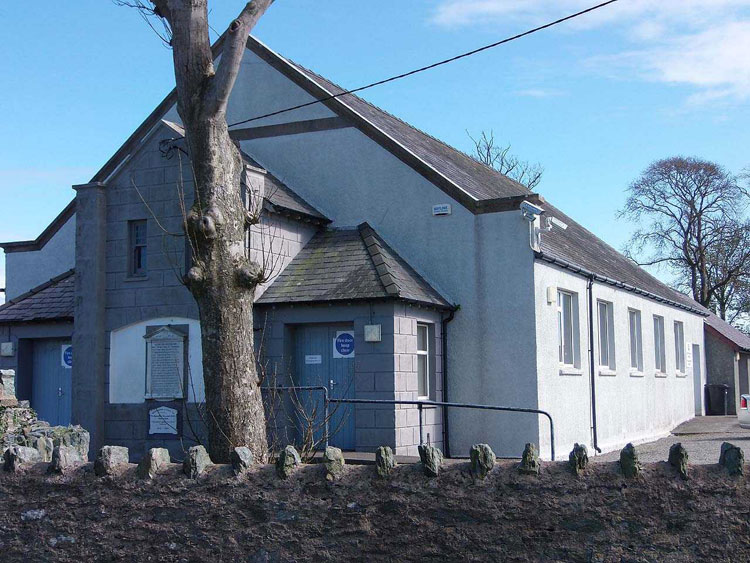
592	369
444	337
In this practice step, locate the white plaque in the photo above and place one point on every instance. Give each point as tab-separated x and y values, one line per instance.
162	420
165	364
688	358
313	359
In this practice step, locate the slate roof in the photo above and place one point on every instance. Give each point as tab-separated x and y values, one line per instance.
734	335
51	301
580	247
349	265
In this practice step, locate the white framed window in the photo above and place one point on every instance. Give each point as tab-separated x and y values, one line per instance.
636	340
137	248
423	361
567	329
606	318
679	346
660	357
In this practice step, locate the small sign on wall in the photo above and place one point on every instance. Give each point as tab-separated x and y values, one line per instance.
313	359
343	344
66	356
689	357
441	209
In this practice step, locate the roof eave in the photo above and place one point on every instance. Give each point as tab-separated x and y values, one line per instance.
615	283
357	300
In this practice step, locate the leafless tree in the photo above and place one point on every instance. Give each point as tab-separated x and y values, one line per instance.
689	213
223	276
501	159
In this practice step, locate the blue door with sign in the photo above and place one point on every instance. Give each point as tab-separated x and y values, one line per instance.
325	357
51	383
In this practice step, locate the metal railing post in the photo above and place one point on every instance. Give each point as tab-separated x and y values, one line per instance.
421	437
325	413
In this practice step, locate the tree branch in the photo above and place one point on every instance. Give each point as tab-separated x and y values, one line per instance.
234	46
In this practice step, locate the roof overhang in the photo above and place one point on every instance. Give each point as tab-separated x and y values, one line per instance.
616	283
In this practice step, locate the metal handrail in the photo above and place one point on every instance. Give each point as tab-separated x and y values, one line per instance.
420	405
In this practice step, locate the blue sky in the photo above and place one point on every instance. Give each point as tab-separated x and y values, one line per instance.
594	101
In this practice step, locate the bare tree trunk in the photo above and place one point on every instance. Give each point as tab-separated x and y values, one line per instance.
222	278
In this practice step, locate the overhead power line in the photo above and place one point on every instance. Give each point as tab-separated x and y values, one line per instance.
430	66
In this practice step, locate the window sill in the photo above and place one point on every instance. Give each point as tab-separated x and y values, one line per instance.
607	372
680	374
570	370
144	277
660	374
636	373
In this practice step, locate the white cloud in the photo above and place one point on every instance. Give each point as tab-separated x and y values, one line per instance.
699	43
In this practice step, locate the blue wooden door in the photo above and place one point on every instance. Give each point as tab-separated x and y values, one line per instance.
318	364
51	383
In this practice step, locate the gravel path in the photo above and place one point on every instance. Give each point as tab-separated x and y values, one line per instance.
701	436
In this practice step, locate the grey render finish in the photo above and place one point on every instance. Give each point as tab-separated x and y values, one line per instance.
31	263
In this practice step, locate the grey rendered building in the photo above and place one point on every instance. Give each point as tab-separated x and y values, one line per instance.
403	269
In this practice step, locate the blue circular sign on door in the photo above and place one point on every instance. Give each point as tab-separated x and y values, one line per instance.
344	344
67	356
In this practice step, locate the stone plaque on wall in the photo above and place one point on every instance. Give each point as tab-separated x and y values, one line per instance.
163	420
165	364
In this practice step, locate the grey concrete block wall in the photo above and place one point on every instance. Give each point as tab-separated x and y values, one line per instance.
373	361
405	320
382	370
148	187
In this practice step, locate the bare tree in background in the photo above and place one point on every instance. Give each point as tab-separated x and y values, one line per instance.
223	277
690	217
501	159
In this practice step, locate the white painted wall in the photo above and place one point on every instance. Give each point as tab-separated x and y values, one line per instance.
352	179
26	270
631	407
127	361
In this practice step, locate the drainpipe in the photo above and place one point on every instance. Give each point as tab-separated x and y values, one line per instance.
592	368
444	336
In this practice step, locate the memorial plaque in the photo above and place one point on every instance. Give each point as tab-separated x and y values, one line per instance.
162	420
165	364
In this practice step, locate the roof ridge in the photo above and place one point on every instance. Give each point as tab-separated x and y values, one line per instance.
373	243
34	290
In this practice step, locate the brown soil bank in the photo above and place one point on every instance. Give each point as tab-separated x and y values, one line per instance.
600	516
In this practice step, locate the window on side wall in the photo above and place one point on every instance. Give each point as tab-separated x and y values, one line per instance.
137	248
423	361
679	346
660	357
606	334
636	340
567	329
